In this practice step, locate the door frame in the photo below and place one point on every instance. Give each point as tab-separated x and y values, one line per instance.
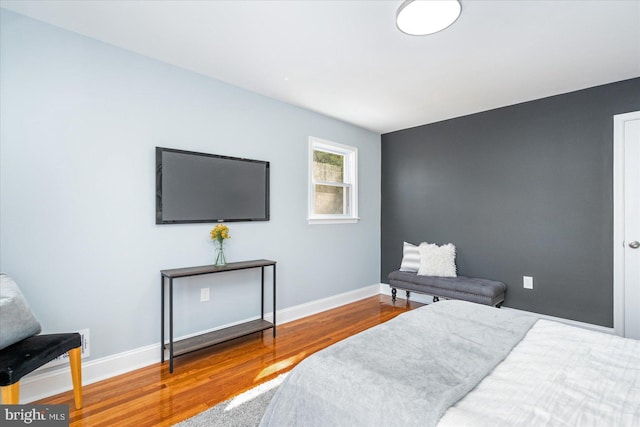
618	218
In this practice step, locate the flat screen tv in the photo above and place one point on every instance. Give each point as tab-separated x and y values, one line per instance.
198	187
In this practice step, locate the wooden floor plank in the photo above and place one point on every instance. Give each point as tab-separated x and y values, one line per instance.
151	396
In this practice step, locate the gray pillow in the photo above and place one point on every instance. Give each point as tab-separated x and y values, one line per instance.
16	319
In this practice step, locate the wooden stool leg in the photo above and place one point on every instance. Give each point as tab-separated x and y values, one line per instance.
11	394
76	375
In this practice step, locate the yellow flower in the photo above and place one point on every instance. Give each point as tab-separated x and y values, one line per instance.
220	232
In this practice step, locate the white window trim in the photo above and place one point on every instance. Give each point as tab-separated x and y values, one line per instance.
351	176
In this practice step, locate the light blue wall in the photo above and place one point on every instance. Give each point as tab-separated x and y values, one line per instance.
79	123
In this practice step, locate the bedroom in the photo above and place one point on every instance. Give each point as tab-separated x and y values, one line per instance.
80	120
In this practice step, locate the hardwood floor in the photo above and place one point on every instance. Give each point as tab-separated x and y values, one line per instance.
152	397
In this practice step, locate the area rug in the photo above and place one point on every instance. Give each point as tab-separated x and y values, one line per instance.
244	410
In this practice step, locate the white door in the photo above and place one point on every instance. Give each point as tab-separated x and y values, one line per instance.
627	240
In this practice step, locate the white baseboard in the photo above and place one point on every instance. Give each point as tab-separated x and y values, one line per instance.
40	385
415	296
426	299
307	309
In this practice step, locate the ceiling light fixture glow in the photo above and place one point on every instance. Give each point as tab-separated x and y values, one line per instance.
422	17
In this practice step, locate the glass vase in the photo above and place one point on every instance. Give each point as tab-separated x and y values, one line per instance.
221	259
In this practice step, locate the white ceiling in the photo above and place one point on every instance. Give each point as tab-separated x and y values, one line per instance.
347	60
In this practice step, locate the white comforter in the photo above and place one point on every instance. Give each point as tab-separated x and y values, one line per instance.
558	375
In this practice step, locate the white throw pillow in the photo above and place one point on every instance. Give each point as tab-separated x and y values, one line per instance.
437	260
410	258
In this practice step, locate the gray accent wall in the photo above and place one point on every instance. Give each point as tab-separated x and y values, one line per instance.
520	190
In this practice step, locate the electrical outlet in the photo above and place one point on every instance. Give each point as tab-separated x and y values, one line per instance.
204	294
527	282
85	351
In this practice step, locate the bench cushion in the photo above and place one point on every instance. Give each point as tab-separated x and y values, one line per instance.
483	291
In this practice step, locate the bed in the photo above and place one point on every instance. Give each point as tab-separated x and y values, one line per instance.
456	363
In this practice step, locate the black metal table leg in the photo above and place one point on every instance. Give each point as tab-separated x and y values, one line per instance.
262	294
274	300
170	325
162	317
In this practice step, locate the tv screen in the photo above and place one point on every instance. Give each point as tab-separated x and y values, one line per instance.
198	187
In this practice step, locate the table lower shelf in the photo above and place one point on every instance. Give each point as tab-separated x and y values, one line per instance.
216	337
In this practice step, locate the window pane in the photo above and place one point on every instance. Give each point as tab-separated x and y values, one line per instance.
331	200
328	167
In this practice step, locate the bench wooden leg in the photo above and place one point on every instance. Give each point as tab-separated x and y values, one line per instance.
76	375
11	394
393	294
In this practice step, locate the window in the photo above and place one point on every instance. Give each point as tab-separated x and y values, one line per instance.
333	190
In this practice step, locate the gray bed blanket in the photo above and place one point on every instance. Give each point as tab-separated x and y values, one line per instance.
405	372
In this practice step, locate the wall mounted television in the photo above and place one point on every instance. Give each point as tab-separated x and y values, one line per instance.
198	187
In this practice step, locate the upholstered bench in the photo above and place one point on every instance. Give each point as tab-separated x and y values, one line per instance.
482	291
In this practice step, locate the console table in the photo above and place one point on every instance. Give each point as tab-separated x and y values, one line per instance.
205	340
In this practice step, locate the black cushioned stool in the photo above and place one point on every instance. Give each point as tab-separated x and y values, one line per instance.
27	355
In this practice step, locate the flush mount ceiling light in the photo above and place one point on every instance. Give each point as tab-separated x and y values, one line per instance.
422	17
